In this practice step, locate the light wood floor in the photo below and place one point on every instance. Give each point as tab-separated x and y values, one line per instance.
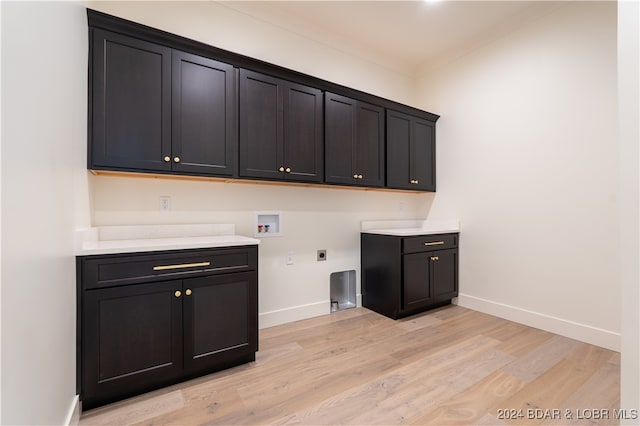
448	366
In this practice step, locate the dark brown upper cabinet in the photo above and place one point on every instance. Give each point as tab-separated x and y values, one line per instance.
130	103
354	142
204	135
164	104
411	152
154	109
281	132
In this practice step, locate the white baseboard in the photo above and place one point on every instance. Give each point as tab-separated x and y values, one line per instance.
73	416
585	333
297	313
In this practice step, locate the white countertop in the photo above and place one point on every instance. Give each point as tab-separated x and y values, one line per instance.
406	228
146	238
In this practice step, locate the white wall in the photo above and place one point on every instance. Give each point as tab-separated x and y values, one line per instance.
44	198
629	113
529	119
220	26
313	218
528	160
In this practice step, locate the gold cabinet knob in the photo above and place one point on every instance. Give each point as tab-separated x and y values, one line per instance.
176	159
188	292
434	258
167	158
177	293
355	176
281	169
288	170
359	176
414	181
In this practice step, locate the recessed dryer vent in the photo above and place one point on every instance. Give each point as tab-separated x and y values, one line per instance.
342	290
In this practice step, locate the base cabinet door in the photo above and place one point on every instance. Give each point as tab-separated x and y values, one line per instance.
132	339
219	320
429	277
444	274
416	284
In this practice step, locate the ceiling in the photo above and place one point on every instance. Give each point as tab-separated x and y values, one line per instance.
406	36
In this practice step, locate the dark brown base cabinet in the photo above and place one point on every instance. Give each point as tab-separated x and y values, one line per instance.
150	320
402	276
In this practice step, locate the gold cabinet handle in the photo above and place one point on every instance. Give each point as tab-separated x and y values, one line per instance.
414	181
434	243
180	266
176	159
434	258
177	293
188	292
281	169
167	158
288	170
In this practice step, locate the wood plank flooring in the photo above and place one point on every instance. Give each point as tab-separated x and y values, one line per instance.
450	366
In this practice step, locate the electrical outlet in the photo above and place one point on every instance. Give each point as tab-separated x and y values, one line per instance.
165	203
322	255
290	258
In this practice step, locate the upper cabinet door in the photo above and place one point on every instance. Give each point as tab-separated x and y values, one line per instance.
369	153
204	116
423	154
261	125
410	152
354	142
280	129
303	156
130	103
340	119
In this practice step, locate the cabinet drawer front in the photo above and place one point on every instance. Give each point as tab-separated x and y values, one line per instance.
110	271
429	242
